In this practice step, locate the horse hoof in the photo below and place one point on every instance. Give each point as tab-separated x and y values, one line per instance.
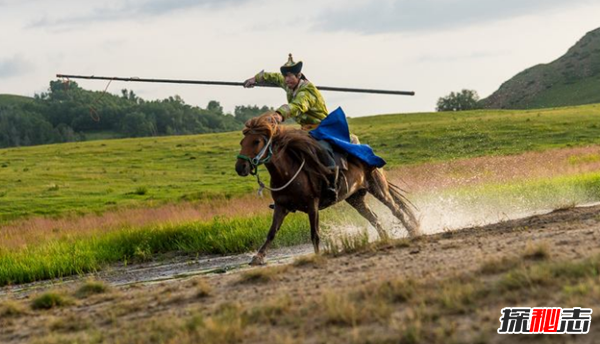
257	260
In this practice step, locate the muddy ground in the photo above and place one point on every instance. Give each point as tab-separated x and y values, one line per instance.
445	288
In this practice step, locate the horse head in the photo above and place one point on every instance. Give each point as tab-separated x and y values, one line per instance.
256	144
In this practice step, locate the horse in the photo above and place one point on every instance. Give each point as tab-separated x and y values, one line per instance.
299	178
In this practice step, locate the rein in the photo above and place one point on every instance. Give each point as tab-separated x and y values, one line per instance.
263	186
259	160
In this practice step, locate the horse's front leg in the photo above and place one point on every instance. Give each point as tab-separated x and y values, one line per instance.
313	217
279	214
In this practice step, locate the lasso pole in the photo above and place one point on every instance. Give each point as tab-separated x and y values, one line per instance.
228	83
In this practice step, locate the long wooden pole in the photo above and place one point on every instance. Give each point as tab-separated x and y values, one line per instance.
228	83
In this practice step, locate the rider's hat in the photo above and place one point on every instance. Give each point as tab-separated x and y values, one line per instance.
291	67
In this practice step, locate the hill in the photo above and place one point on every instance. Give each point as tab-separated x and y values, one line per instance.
11	100
573	79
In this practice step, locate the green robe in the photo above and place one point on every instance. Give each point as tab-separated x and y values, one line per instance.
305	104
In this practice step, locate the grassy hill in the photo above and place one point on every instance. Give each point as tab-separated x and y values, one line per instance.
573	79
84	177
11	99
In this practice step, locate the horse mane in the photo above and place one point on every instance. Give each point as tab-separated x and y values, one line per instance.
294	143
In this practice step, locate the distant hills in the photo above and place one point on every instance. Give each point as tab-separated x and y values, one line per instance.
573	79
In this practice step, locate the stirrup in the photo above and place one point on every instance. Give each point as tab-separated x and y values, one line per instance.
331	190
336	174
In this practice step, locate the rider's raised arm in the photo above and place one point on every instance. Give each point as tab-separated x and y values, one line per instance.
270	78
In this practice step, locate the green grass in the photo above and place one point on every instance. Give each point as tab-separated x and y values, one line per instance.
98	176
11	99
428	137
93	177
76	255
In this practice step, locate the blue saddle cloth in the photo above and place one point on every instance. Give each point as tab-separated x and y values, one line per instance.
334	129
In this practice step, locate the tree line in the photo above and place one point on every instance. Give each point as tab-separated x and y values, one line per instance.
69	113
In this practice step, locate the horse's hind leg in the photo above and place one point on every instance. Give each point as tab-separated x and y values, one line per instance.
357	201
380	188
279	214
313	217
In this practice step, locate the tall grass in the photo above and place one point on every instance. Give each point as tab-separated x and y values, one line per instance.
37	230
76	255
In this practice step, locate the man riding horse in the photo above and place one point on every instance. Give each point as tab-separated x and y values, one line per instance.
305	105
302	166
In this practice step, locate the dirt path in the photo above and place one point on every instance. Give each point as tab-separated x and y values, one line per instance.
315	300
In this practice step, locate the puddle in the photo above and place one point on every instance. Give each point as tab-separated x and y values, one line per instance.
160	271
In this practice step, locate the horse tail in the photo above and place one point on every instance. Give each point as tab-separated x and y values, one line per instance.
405	205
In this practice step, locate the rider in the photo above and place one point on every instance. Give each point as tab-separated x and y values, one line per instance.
305	105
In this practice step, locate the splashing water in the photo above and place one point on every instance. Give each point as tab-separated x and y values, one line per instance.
480	191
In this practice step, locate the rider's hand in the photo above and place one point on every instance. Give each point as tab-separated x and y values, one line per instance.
250	83
277	117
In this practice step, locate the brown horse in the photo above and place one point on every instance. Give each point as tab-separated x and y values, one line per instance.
298	179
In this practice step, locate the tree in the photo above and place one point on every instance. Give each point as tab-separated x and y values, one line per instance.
66	112
215	107
136	124
243	113
459	101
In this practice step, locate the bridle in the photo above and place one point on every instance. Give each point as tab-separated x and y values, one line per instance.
260	159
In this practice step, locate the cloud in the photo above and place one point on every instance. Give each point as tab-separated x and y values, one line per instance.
430	15
14	66
449	58
133	10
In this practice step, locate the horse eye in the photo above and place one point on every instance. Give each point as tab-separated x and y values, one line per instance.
256	142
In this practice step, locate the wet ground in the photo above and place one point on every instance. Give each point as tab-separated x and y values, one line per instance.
148	296
165	268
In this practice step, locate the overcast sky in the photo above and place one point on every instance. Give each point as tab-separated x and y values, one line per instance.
431	47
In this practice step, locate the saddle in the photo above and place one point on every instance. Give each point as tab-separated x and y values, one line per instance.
340	156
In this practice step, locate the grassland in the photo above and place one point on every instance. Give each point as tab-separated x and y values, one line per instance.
109	176
99	176
427	137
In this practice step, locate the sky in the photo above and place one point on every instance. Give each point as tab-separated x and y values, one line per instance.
431	47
